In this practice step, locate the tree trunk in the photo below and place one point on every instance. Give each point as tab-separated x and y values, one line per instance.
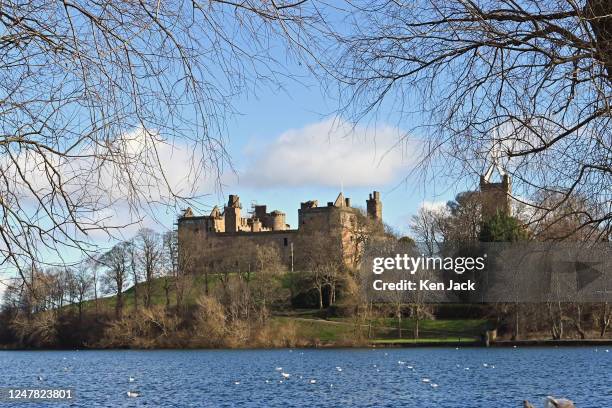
119	304
604	319
167	291
515	334
416	328
398	313
148	292
330	296
369	312
95	288
135	294
320	289
560	320
578	322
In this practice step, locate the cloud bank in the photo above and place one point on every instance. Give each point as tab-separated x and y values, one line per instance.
330	153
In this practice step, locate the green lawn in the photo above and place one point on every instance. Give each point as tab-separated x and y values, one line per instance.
194	289
425	340
319	329
446	328
431	331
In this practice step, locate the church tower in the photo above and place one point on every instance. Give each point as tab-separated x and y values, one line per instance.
495	196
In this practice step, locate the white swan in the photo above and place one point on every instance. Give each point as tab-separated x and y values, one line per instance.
552	402
133	394
558	403
131	379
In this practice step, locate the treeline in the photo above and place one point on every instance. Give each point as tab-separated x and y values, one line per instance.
44	303
558	217
139	295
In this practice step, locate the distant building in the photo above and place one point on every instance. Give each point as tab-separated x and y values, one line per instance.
495	196
213	238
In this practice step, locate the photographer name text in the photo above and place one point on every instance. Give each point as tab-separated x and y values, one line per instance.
424	285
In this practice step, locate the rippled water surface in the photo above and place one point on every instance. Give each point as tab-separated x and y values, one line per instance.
351	377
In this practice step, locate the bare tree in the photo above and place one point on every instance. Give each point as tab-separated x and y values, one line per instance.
428	227
134	269
170	261
94	267
117	262
568	220
97	98
361	231
604	318
320	257
266	285
465	218
149	244
528	82
83	284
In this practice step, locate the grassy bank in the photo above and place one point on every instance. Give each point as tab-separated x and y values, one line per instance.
291	326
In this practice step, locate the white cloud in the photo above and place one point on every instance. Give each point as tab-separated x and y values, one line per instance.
120	186
434	205
330	153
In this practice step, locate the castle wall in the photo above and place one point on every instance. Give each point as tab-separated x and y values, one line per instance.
203	249
210	241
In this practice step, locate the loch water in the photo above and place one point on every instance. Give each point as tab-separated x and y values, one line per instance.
421	377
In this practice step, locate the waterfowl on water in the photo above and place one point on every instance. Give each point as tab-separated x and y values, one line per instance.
552	402
558	403
133	394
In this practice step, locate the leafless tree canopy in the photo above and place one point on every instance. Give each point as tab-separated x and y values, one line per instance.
93	96
530	80
91	91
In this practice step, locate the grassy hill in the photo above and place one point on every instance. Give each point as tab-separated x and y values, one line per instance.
316	325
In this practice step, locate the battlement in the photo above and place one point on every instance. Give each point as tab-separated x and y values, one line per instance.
260	220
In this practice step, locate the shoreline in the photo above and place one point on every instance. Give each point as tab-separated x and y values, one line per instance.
503	343
451	344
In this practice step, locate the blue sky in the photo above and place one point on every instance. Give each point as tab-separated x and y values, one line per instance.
289	144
